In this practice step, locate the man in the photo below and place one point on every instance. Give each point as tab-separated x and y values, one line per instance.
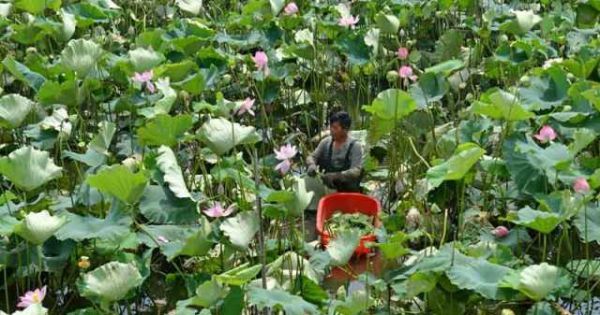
339	157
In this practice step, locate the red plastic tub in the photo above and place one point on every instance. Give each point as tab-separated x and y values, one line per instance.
348	203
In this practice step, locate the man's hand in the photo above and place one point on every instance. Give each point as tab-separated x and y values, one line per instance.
312	170
331	179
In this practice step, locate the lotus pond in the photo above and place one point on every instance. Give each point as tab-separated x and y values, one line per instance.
152	155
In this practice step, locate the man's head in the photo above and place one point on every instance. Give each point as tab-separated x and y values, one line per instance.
339	124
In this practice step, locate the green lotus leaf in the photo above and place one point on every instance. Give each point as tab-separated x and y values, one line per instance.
29	168
164	130
222	135
37	227
121	182
81	56
110	282
278	299
455	168
14	109
241	229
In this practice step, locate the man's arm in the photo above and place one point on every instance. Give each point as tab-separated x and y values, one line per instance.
311	160
356	163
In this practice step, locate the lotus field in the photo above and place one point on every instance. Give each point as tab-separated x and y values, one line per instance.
154	156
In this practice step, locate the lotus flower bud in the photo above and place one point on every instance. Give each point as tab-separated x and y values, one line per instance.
392	76
500	231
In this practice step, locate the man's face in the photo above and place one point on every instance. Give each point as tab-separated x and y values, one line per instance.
336	130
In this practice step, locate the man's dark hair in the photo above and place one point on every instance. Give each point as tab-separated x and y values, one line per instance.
342	118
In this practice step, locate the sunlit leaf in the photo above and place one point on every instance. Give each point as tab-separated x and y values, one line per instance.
167	163
110	282
119	181
14	109
278	299
455	168
29	168
37	227
164	130
241	228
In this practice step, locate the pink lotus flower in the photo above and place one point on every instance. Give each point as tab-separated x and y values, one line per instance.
348	21
32	297
402	53
500	231
581	185
283	167
291	8
145	77
261	60
545	134
217	210
246	106
286	152
406	72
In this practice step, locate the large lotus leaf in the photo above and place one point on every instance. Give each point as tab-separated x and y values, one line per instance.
208	294
113	228
240	275
14	109
446	67
37	227
278	299
67	93
121	182
478	275
341	248
143	59
391	104
241	228
190	6
524	21
541	221
174	240
162	106
101	141
110	282
587	223
167	163
295	201
22	73
37	6
356	303
164	130
531	166
581	139
353	46
277	6
29	168
33	309
222	135
69	25
499	104
431	88
387	23
159	205
455	168
7	224
537	281
81	56
547	91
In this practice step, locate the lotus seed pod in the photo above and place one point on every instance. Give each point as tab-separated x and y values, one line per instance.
525	80
392	76
503	38
507	311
